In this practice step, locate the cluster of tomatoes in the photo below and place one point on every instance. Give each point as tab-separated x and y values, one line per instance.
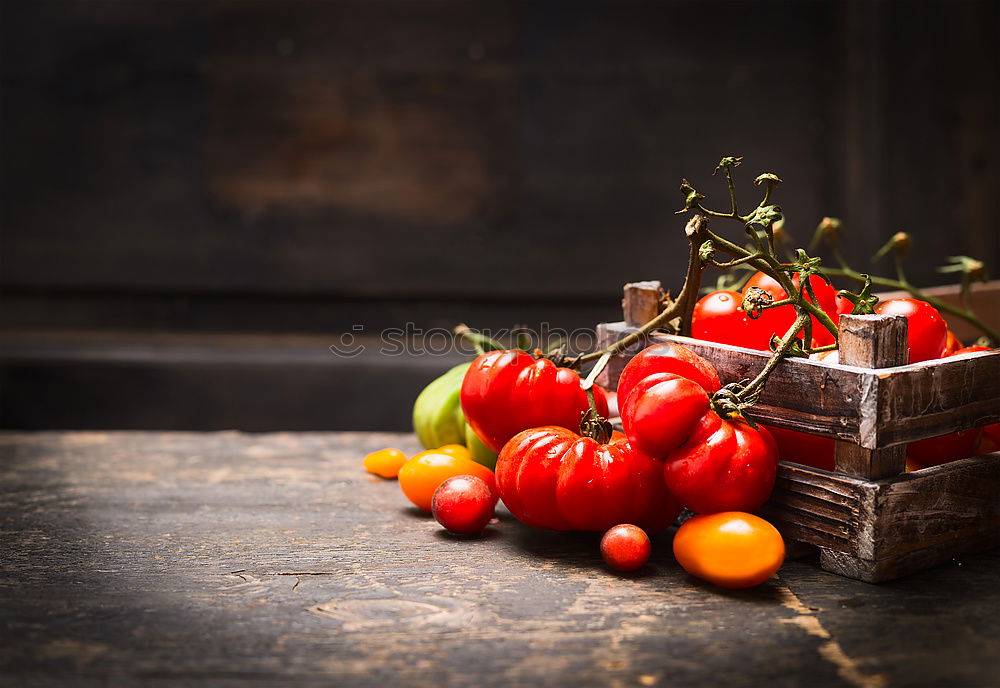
720	317
676	451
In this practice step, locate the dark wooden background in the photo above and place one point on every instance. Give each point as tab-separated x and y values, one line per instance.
198	198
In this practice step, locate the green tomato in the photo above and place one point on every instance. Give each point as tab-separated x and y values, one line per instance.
438	417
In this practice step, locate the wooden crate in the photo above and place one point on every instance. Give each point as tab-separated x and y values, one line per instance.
870	519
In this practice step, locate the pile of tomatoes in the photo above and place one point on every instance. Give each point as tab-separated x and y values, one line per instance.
720	317
677	451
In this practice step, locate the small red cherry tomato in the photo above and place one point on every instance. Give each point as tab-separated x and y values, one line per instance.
463	504
730	549
625	547
926	331
719	317
725	465
776	321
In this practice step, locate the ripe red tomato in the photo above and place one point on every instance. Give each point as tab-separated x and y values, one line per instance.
776	321
719	317
725	465
935	451
730	549
505	392
463	504
662	392
625	547
803	448
926	331
551	477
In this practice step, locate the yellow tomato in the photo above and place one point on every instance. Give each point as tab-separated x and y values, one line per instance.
449	449
731	549
385	462
422	474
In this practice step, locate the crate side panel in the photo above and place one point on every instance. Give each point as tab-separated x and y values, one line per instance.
956	501
930	399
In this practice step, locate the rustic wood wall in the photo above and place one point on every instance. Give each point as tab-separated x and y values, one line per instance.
308	165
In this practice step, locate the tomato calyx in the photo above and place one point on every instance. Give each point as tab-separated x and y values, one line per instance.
732	400
595	426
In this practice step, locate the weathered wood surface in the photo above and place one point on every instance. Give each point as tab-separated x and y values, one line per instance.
225	559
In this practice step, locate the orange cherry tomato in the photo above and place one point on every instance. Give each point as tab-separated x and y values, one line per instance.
449	449
422	474
385	462
731	549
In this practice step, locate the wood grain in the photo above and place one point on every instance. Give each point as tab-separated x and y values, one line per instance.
183	559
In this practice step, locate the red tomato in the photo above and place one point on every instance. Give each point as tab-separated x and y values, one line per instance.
844	307
952	345
661	393
505	392
660	411
551	477
668	357
719	317
803	448
625	547
935	451
926	331
725	465
776	321
731	549
463	504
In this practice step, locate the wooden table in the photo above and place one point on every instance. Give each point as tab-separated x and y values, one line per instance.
225	559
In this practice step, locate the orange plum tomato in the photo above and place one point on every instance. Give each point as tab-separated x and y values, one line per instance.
463	504
625	547
731	549
420	476
385	462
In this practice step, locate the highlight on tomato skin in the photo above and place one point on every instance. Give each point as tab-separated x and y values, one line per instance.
731	549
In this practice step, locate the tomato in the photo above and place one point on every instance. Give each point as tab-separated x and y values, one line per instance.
551	477
505	392
970	349
844	307
803	448
730	549
952	345
625	547
660	411
719	317
725	465
385	462
667	357
776	321
935	451
463	504
926	331
449	449
420	476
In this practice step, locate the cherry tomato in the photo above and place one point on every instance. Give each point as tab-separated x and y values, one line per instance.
463	504
935	451
725	465
551	477
803	448
926	331
505	392
719	317
776	321
422	474
730	549
625	547
385	462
